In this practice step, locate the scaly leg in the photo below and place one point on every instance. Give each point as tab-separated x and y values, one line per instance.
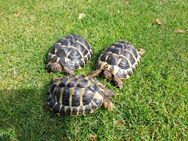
95	73
108	104
107	74
118	82
68	70
54	67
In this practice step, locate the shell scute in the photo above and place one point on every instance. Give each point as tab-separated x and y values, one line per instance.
98	102
74	54
124	64
81	110
56	108
132	50
52	103
103	57
63	82
94	88
118	49
82	83
87	96
129	57
64	42
75	95
94	107
72	84
113	59
62	111
80	47
68	111
65	96
74	111
82	63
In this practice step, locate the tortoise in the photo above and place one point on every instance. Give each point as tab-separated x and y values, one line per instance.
68	54
118	62
78	95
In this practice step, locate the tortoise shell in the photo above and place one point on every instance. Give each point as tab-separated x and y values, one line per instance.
75	95
121	58
72	52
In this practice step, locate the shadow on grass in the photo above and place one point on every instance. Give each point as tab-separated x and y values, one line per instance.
23	116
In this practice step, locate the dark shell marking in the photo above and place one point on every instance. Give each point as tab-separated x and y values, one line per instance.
75	95
71	51
121	58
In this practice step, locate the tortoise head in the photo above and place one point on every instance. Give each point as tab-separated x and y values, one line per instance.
54	67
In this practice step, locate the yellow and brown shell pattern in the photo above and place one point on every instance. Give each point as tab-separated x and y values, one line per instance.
75	95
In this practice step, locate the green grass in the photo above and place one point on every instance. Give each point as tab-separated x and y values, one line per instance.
153	105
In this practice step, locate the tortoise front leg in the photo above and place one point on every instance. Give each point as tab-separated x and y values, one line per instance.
108	104
118	82
68	70
108	74
95	73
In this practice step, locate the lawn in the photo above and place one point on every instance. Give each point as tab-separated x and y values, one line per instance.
153	105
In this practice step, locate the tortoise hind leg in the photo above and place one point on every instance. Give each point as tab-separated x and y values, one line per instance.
108	104
68	70
118	82
54	67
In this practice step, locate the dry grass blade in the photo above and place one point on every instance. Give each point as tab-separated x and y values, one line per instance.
158	21
180	31
81	16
